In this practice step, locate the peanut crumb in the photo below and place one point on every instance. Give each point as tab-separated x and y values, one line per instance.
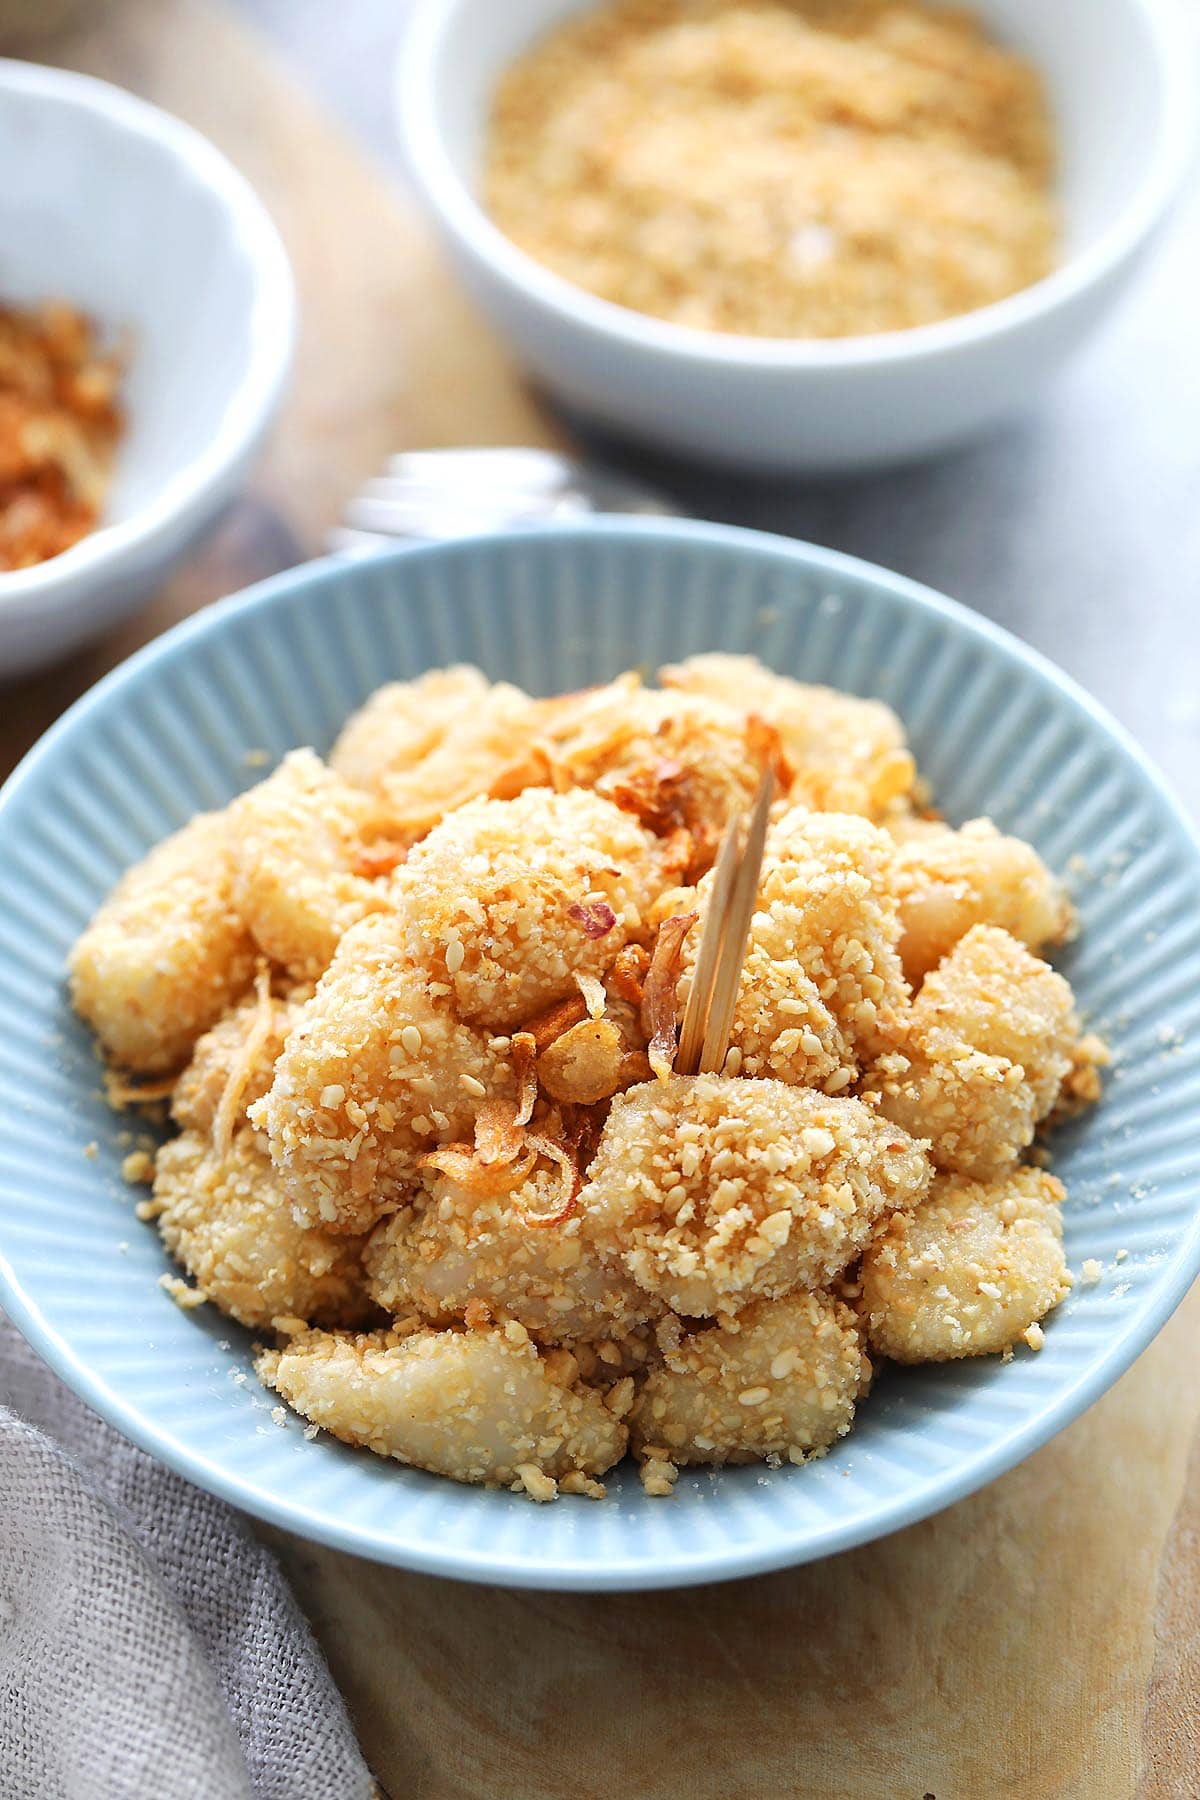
535	1482
579	1483
659	1474
185	1297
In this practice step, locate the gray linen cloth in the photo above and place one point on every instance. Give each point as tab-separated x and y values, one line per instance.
149	1645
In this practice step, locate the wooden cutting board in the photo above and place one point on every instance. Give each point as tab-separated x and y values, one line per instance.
1040	1641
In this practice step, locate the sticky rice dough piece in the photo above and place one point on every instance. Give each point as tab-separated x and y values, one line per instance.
710	1190
304	848
402	722
821	986
506	901
425	748
969	1271
849	755
454	1252
376	1071
167	953
989	1042
226	1219
947	881
783	1384
476	1406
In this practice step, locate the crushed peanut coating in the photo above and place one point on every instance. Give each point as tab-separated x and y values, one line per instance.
406	1008
780	1383
506	901
787	168
712	1190
304	846
968	1271
821	989
454	1253
376	1071
848	755
480	743
946	881
167	953
471	1405
990	1039
226	1219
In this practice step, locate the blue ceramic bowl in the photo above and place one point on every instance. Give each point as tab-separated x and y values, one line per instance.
997	730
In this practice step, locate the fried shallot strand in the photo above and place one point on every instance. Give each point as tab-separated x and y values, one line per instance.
766	747
524	1058
658	996
243	1067
572	1182
465	1166
627	977
555	1020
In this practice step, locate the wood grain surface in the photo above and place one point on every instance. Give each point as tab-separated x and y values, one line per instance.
1040	1641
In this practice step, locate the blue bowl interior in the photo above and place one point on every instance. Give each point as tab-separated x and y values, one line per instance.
995	729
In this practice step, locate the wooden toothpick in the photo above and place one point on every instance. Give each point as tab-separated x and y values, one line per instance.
708	1017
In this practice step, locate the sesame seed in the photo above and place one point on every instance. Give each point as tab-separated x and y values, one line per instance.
411	1038
473	1086
753	1396
454	956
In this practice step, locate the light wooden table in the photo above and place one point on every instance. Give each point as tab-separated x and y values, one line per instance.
1040	1641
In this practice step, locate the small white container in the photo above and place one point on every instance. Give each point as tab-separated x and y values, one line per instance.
1120	76
134	218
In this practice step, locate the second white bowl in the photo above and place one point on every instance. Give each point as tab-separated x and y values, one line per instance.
1119	74
134	218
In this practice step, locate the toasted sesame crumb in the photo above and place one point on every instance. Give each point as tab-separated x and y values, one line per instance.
802	170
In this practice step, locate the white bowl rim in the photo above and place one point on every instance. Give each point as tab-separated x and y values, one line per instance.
451	201
273	331
621	1574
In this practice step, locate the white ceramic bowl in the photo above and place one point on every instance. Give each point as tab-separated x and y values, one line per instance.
1120	78
131	215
